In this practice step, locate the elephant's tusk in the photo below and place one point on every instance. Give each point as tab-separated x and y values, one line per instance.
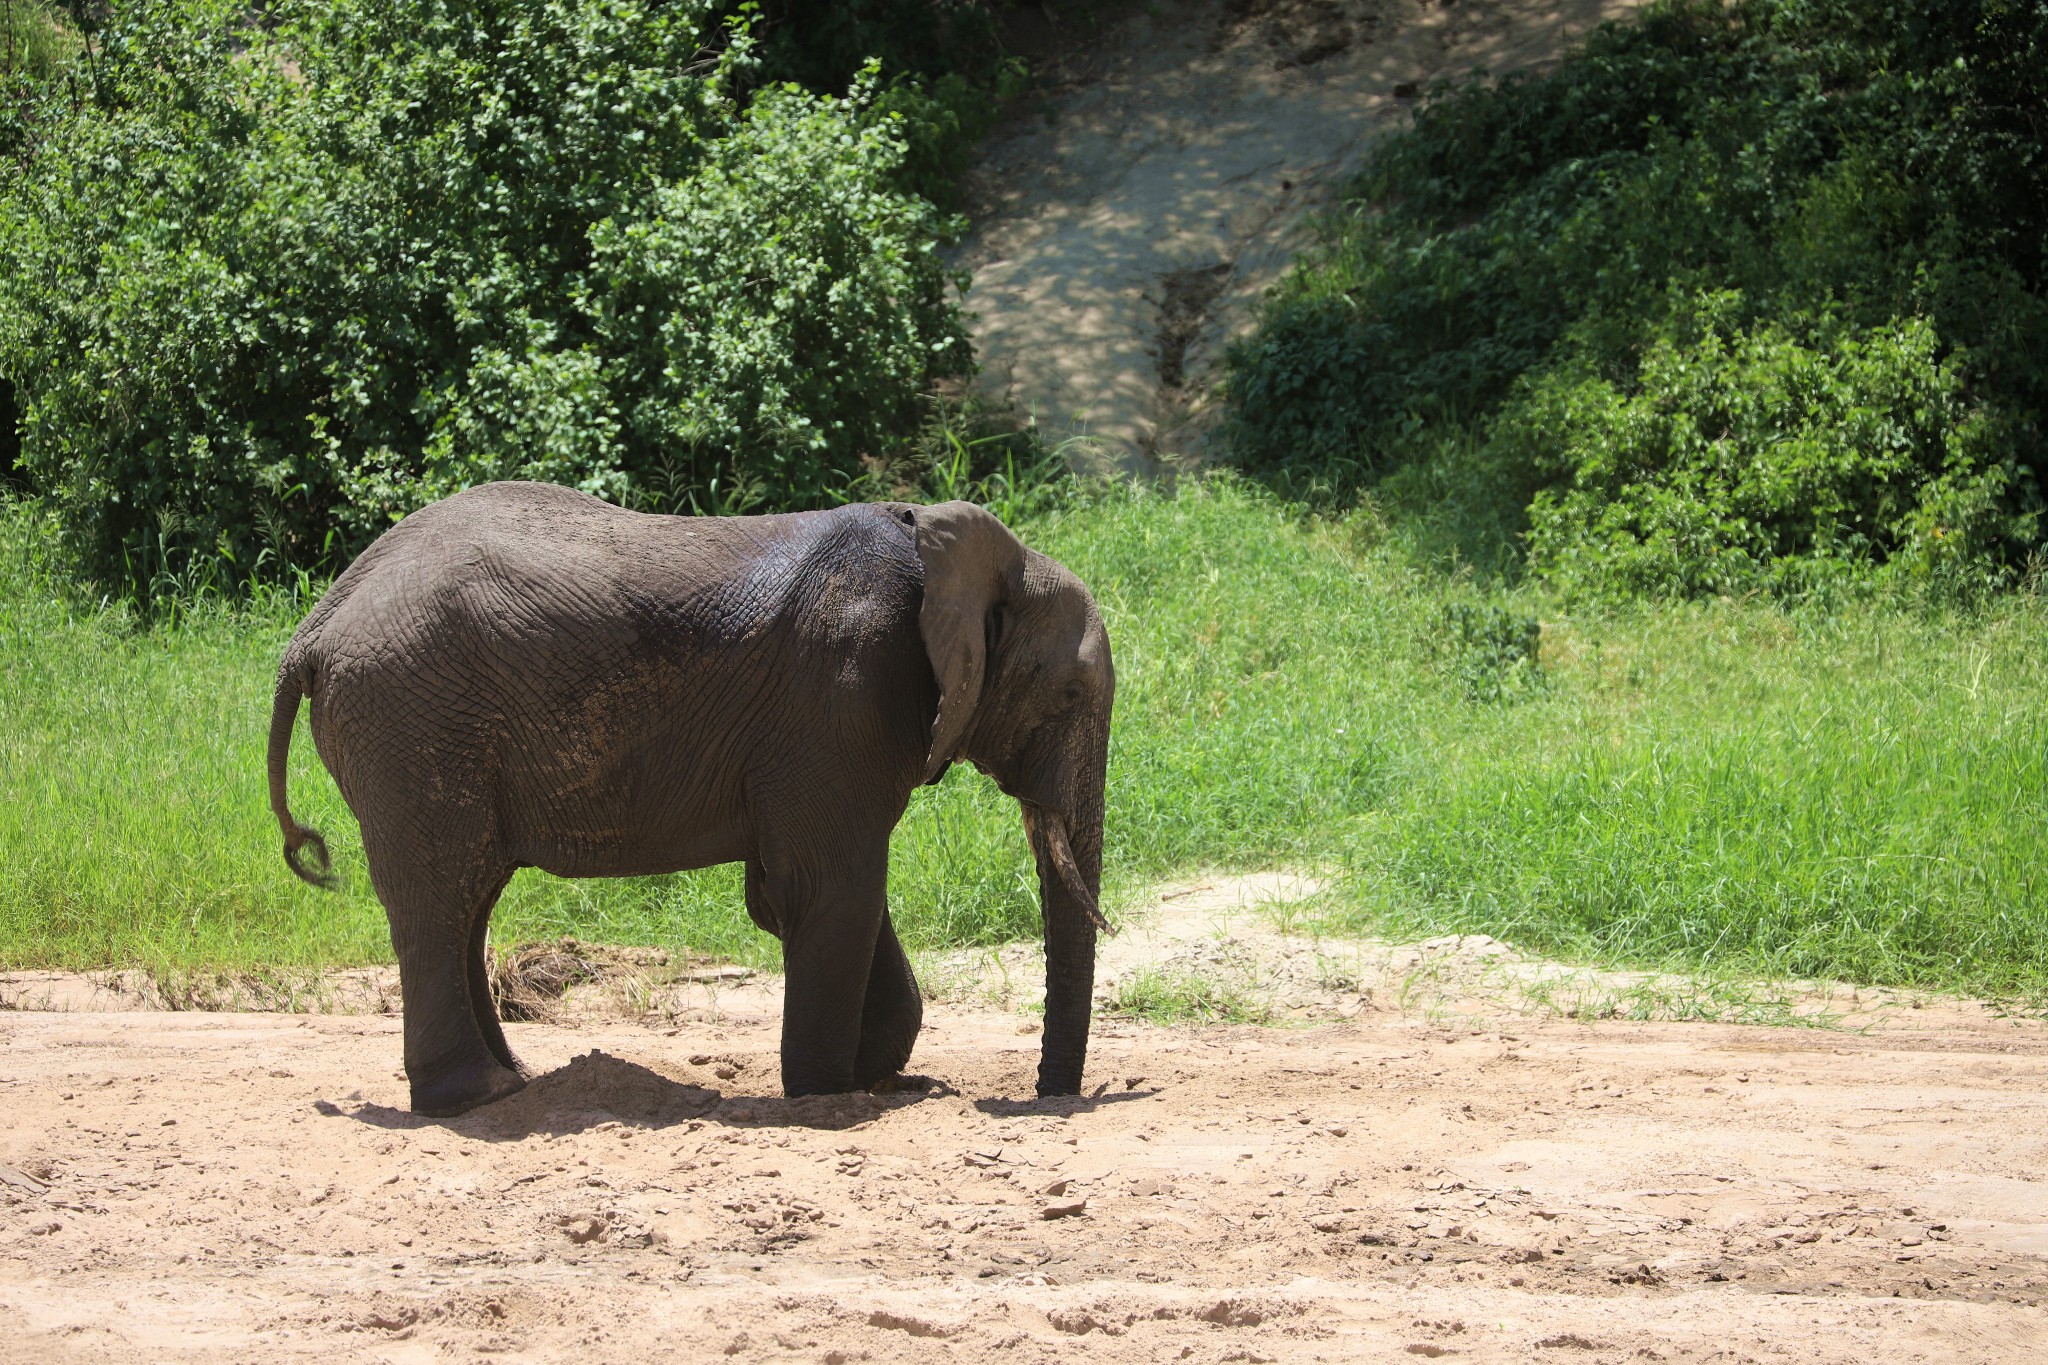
1054	829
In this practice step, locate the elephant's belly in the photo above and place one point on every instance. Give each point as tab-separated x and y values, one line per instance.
627	823
629	854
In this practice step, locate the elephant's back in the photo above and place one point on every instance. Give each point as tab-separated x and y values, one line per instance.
516	558
521	599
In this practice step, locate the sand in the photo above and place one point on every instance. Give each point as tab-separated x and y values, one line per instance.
1419	1156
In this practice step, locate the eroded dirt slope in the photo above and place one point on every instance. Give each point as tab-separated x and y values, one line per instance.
1127	223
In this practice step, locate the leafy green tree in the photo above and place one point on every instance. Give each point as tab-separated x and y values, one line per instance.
1861	188
270	287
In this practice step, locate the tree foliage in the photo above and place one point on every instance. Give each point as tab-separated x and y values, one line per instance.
1685	281
267	287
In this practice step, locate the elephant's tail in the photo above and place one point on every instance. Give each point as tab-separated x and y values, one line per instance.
284	713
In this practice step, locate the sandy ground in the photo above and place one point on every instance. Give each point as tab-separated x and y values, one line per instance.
1420	1157
1128	221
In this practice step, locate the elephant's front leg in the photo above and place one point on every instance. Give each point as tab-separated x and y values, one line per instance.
891	1014
831	911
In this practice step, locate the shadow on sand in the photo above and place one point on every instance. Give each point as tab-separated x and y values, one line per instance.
1061	1104
597	1088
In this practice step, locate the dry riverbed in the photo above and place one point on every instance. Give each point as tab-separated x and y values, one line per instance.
1422	1156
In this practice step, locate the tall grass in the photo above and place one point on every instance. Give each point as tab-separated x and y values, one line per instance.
1856	793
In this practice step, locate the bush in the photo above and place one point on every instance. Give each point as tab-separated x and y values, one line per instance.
270	288
1748	460
947	77
1858	185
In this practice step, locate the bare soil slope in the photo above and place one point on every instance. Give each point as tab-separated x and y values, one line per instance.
1416	1165
1127	223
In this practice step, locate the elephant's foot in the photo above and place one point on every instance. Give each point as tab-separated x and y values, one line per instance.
458	1092
899	1083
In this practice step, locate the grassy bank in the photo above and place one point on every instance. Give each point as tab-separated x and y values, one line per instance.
1859	793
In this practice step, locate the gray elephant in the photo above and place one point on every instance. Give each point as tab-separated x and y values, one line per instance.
524	676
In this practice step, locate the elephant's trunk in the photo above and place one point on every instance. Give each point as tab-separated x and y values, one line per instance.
1068	849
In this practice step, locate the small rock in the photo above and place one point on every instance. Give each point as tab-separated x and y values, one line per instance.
1233	1313
914	1326
1057	1187
581	1227
45	1229
1064	1208
1079	1322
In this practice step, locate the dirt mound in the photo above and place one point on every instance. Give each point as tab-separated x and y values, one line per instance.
593	1089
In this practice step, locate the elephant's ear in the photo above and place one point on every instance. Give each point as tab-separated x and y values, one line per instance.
972	564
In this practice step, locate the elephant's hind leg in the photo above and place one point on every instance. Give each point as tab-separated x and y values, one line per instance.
891	1014
482	1003
438	901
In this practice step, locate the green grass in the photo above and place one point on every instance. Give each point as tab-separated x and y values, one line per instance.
1722	786
1170	997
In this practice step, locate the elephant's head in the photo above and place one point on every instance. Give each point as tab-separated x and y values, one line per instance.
1025	689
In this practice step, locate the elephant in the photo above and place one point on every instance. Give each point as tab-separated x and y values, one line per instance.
522	675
